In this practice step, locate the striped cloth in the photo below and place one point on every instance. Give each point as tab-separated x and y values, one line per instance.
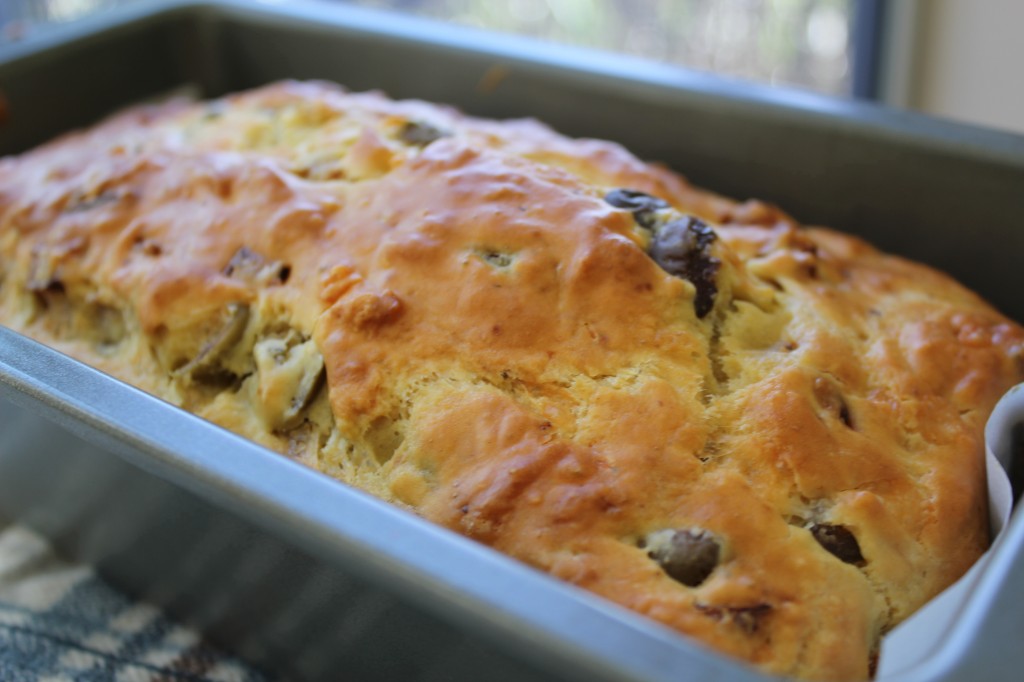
60	623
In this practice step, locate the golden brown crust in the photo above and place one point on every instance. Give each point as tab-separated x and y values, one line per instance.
504	357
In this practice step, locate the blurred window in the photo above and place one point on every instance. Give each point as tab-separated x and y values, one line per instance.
803	43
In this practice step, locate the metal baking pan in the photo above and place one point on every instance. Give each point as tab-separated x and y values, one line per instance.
312	580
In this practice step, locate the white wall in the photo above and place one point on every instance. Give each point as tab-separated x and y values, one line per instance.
968	61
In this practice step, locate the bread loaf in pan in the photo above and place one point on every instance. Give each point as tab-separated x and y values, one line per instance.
765	436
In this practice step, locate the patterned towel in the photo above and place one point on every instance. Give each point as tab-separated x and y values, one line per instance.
60	623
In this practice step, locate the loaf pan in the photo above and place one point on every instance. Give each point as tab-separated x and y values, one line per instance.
312	580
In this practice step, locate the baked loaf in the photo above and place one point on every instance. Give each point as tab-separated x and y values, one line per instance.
764	436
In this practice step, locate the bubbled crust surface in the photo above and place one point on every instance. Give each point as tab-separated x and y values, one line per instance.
503	357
